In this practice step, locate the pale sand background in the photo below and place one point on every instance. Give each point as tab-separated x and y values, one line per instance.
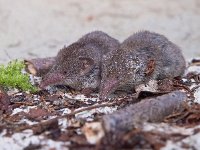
39	28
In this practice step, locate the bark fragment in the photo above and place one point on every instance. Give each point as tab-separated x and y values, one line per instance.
39	66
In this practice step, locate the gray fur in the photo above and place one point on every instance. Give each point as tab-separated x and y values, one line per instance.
78	65
128	64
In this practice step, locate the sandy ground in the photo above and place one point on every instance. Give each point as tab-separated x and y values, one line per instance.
39	28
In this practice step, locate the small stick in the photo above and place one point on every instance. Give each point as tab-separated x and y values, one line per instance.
89	108
148	110
39	66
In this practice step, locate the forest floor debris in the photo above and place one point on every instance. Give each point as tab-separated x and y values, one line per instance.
61	118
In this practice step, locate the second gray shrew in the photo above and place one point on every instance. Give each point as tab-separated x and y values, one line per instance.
99	62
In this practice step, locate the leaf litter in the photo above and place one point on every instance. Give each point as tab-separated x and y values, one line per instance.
61	118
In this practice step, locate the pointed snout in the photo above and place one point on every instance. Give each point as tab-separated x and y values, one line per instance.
51	79
106	88
103	94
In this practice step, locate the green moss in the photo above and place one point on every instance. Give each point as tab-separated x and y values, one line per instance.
11	76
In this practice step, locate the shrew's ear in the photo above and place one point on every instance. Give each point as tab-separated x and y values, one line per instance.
150	67
87	64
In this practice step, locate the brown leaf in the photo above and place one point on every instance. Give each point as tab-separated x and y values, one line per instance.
4	101
45	126
37	113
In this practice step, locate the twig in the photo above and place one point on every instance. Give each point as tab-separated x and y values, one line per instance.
89	108
148	110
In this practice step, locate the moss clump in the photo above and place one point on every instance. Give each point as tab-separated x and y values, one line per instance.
11	76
